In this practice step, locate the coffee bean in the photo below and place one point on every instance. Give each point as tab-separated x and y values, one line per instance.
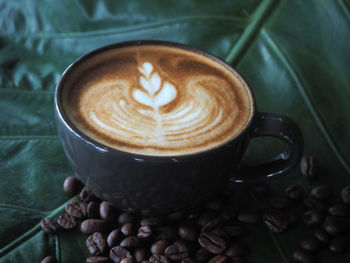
303	256
313	218
126	217
279	202
249	216
308	166
118	253
235	250
228	212
213	243
141	254
310	243
97	259
93	210
214	204
159	247
177	251
238	260
261	188
295	192
144	232
158	259
321	192
336	225
293	216
76	208
72	185
49	259
220	232
188	232
176	216
202	255
212	224
315	204
166	233
275	220
219	259
66	221
108	212
338	244
90	226
339	210
49	225
234	230
128	229
345	195
96	244
114	238
128	260
188	260
321	235
86	195
205	217
131	242
151	222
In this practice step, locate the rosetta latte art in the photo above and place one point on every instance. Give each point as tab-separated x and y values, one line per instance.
156	115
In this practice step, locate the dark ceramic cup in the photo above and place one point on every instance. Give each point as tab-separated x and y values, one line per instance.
153	185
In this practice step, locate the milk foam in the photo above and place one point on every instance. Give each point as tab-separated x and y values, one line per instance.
152	114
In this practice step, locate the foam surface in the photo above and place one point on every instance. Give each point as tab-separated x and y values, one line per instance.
154	100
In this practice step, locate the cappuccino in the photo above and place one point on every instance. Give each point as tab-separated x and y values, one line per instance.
157	100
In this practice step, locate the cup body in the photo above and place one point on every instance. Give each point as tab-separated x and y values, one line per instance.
150	185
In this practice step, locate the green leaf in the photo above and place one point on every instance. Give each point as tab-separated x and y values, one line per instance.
294	54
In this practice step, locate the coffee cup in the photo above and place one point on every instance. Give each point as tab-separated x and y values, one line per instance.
155	127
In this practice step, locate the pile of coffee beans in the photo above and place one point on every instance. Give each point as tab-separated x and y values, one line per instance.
211	233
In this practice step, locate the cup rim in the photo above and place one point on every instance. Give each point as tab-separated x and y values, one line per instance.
60	112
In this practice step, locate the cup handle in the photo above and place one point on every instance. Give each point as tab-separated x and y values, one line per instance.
275	125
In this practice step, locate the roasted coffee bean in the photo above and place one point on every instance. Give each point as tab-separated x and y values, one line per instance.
76	208
219	259
234	230
249	216
213	243
239	260
293	216
158	259
205	217
279	202
303	256
313	218
151	221
321	192
321	235
128	260
108	212
228	212
336	225
295	192
118	253
96	244
97	259
86	195
66	221
176	216
275	220
49	225
315	204
144	232
128	229
126	217
310	243
220	232
141	254
166	233
214	204
72	185
261	188
93	210
90	226
235	250
339	210
345	195
202	255
188	260
114	238
212	224
131	242
188	232
338	244
159	247
177	251
308	166
49	259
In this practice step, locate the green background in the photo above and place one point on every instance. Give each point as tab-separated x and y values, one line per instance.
294	53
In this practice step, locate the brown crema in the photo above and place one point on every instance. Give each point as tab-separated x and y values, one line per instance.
157	100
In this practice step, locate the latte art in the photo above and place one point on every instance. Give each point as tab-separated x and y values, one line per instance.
151	112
